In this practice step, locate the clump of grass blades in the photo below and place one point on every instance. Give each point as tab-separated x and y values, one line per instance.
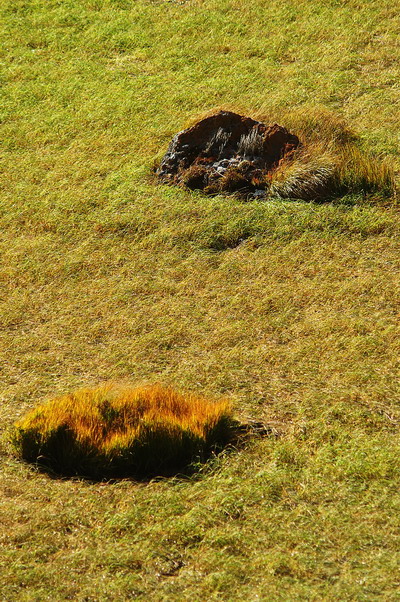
251	144
330	163
305	177
113	431
359	172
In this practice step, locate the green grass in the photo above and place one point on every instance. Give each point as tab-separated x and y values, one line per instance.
291	309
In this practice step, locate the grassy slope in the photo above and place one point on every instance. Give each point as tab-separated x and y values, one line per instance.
290	309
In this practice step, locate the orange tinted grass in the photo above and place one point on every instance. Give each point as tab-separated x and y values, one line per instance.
81	410
111	420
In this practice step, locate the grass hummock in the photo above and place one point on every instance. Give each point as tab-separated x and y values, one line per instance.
330	163
114	431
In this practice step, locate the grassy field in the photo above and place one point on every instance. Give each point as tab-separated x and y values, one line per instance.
289	309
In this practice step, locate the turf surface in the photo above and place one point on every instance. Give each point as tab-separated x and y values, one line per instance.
290	309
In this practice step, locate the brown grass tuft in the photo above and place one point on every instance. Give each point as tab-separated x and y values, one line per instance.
122	431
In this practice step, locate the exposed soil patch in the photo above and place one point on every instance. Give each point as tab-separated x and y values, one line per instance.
226	152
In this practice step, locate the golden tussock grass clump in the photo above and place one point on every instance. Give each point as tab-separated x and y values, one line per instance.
114	431
330	162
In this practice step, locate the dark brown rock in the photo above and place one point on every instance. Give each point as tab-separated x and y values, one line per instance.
226	152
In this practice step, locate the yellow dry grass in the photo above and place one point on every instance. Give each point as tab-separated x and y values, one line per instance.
331	163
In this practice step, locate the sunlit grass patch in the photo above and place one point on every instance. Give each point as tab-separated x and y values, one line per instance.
330	163
115	431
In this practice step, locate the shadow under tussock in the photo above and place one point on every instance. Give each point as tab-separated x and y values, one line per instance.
240	434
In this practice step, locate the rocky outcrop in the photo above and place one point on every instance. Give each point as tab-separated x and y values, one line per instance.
226	152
